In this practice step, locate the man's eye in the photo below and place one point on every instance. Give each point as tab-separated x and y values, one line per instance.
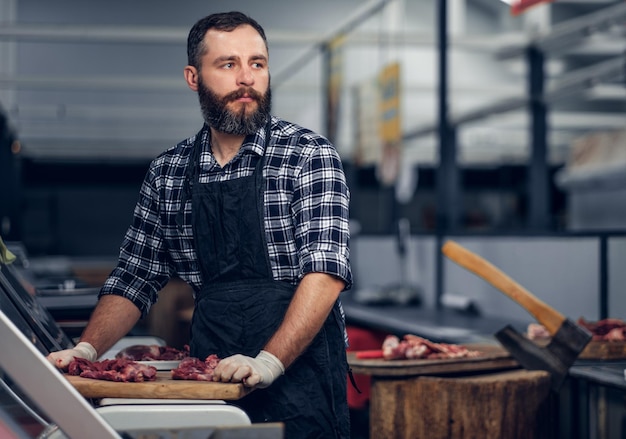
228	65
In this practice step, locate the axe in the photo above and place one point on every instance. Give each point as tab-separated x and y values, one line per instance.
568	339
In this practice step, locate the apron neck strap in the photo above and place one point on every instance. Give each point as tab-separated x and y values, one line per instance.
194	162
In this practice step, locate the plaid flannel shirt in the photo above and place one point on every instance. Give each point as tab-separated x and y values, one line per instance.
306	213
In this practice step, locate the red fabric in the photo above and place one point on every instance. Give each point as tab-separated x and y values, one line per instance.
519	6
362	339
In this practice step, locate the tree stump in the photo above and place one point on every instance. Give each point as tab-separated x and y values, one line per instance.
504	405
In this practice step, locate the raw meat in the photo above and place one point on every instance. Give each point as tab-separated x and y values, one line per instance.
118	369
601	330
152	353
413	346
192	368
606	329
536	331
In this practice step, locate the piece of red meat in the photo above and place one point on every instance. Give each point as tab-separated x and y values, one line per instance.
605	329
192	368
169	353
393	348
415	347
119	369
441	350
536	331
609	329
153	353
615	334
140	352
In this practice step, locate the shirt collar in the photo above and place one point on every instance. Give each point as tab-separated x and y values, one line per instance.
253	142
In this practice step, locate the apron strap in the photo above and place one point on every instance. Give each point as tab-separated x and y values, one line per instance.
190	172
353	381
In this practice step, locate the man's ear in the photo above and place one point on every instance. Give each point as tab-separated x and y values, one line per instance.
191	77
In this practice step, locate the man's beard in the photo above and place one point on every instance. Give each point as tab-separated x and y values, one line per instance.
220	118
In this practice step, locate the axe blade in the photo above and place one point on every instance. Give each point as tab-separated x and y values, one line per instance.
568	342
556	358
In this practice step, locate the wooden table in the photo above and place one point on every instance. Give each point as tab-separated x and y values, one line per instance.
483	397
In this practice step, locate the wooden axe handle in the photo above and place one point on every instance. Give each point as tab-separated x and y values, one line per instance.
546	315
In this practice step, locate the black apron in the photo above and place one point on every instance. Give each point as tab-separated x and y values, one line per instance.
240	307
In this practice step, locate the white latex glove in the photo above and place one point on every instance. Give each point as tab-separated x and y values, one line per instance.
62	359
260	371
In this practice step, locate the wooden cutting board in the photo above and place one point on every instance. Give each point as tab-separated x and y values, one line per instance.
493	357
163	388
598	350
604	350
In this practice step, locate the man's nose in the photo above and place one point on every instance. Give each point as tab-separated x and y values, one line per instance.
245	76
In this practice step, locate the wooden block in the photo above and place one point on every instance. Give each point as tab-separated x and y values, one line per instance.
496	405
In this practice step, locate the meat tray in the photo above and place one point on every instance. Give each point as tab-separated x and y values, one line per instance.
493	357
161	364
163	388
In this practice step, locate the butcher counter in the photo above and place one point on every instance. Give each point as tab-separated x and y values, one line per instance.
466	388
597	400
441	325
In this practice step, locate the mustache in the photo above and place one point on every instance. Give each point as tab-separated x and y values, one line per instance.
245	91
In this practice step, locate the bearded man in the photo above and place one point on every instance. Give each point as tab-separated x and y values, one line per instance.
251	212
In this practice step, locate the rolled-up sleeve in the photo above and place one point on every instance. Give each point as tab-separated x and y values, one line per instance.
143	267
321	212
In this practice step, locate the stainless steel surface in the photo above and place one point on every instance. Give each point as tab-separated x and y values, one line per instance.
65	406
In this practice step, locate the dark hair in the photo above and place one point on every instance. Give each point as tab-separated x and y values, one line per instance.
223	21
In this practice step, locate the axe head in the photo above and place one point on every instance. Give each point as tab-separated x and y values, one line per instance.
555	358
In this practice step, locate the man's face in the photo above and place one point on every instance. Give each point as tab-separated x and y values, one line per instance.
233	82
232	119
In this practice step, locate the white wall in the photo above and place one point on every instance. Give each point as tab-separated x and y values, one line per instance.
561	271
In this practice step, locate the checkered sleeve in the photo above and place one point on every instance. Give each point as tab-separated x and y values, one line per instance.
320	207
143	267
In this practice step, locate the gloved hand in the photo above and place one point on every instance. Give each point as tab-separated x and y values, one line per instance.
260	371
62	359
